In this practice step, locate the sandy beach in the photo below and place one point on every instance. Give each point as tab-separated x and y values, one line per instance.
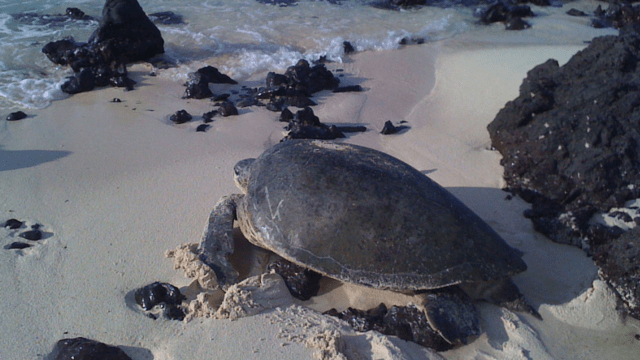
115	185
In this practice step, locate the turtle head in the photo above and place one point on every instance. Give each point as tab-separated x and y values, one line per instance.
241	173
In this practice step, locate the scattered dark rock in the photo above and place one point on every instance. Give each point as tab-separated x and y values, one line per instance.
301	282
617	15
221	97
80	82
52	20
618	262
17	246
296	85
306	125
516	23
350	88
389	128
249	101
15	116
208	116
198	84
202	128
163	294
348	48
227	109
124	35
86	349
13	224
281	3
350	129
116	100
408	323
502	11
570	145
286	116
33	235
576	12
214	76
197	87
166	18
181	117
398	4
77	14
411	41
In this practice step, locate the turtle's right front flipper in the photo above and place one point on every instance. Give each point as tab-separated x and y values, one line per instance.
217	241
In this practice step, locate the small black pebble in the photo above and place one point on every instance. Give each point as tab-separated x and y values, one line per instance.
87	349
17	245
637	336
180	117
33	235
116	100
13	224
18	115
208	116
157	293
202	128
388	128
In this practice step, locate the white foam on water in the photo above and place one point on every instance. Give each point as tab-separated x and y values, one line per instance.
240	37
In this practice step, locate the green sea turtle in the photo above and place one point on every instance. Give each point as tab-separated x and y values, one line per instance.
361	216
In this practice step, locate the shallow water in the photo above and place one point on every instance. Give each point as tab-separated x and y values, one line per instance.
240	37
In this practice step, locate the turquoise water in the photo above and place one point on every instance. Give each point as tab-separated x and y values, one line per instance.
240	37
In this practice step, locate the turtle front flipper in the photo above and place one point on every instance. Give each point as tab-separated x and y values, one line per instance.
217	241
452	314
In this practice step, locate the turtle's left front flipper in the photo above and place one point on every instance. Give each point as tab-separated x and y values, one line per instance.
217	241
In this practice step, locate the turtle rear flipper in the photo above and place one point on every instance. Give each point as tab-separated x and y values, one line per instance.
217	241
452	314
503	293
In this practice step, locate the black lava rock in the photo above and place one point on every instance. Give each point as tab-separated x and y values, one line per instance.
180	117
502	11
286	116
348	48
516	23
576	12
388	128
208	116
13	224
302	283
33	234
163	294
570	140
406	322
306	125
17	246
227	109
197	87
166	18
570	145
125	34
80	82
202	128
617	15
15	116
350	88
86	349
214	76
618	261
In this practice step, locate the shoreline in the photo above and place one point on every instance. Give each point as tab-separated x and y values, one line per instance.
117	184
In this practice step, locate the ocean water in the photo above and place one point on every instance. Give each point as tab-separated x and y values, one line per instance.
239	37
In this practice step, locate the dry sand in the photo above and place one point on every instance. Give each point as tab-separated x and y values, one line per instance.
115	185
